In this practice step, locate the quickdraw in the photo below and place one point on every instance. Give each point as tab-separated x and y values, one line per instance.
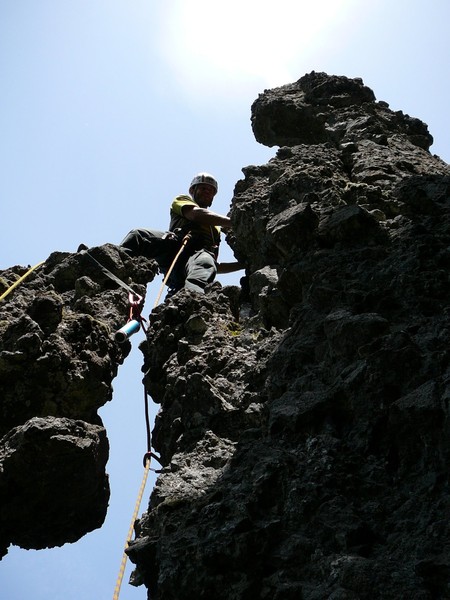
135	319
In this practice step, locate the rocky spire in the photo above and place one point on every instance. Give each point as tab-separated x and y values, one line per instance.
303	425
57	362
305	434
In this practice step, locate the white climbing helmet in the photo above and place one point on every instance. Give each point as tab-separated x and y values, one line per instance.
204	178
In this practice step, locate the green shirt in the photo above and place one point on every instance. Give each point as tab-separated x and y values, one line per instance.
205	236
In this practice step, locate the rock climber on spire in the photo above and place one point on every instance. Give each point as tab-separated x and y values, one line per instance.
197	265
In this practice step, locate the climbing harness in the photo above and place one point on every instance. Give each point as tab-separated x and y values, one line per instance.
16	283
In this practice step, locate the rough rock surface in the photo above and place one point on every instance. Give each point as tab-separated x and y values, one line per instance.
303	425
57	362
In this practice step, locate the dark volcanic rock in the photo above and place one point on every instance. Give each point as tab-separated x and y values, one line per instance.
303	428
58	358
54	471
305	436
319	109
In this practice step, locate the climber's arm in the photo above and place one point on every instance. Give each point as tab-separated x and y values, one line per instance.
229	267
203	216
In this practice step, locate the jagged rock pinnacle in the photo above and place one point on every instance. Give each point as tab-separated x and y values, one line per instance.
303	426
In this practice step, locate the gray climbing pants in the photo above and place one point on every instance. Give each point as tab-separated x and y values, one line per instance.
200	269
193	270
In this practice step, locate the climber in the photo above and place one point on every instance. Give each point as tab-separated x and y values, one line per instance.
189	214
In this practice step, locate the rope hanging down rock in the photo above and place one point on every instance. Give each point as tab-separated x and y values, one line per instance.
149	454
130	530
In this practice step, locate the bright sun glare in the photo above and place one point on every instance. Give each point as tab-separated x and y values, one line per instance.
229	43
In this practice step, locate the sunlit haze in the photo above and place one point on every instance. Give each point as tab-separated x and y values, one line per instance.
108	108
237	43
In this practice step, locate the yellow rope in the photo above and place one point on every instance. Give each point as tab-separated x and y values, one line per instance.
15	284
147	464
130	531
183	244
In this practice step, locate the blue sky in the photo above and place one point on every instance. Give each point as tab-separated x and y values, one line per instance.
107	110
